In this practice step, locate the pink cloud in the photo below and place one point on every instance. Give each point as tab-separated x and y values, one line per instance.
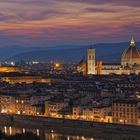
46	21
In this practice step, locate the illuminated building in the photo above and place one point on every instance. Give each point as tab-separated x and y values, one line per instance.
91	61
10	69
126	111
76	111
15	104
13	78
99	114
82	67
23	106
131	56
99	67
57	66
7	103
22	79
130	62
53	108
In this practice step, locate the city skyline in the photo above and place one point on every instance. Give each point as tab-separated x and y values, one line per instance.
59	22
70	69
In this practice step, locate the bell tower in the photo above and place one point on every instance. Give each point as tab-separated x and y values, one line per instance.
91	61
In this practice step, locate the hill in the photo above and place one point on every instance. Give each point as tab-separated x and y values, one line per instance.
108	52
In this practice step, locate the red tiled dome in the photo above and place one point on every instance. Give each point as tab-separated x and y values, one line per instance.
131	55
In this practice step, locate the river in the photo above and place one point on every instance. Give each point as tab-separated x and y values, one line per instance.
52	134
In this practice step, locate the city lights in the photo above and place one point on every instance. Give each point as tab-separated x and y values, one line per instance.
70	69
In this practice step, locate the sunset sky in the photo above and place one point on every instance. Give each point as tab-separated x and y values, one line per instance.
57	22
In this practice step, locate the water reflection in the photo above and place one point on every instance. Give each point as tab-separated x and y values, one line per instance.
23	130
37	132
53	135
10	130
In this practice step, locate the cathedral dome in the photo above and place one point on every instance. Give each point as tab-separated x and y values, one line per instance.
131	55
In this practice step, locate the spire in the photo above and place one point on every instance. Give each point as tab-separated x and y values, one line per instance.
132	42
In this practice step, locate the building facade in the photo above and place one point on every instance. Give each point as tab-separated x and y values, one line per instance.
126	111
91	61
131	56
24	79
129	64
53	108
15	104
7	103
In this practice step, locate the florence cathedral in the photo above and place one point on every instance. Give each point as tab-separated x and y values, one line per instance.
130	62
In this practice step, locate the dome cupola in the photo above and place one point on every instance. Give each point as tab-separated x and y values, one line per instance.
131	56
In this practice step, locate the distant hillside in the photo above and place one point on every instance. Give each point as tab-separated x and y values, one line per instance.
63	55
105	51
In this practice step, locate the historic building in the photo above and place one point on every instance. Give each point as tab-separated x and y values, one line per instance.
126	111
53	108
10	69
82	67
20	78
17	104
99	114
7	103
131	56
91	61
130	62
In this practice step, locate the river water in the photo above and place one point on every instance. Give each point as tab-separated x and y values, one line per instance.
51	134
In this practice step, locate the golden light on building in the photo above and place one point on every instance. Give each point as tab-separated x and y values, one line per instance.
28	79
23	130
102	119
57	66
84	68
18	112
10	69
37	132
99	67
10	130
121	121
91	61
5	129
126	111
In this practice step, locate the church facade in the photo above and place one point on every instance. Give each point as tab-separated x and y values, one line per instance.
130	62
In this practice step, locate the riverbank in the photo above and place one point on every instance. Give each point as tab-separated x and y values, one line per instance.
67	126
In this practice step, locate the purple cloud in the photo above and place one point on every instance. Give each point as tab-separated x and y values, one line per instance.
37	22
